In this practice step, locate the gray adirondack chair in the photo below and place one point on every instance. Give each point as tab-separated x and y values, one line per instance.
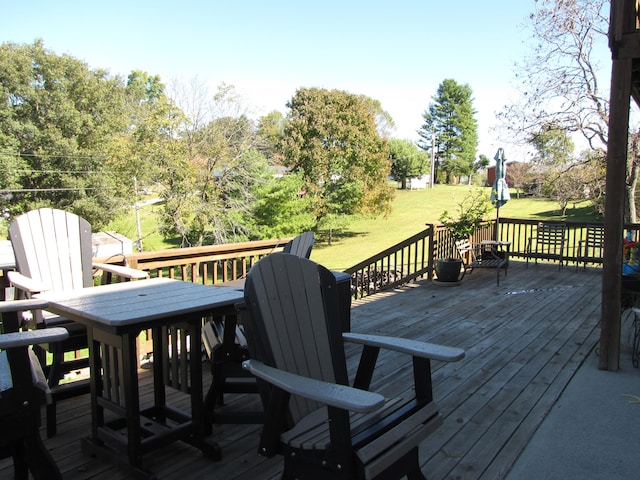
23	392
53	253
226	346
323	427
301	245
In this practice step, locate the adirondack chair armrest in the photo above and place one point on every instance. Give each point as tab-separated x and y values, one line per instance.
121	271
32	337
26	284
334	395
23	305
412	347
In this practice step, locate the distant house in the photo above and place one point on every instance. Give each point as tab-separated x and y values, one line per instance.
417	183
279	171
110	244
491	174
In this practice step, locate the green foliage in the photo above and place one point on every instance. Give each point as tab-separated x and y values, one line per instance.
282	208
561	179
553	145
407	160
332	137
451	118
470	213
270	133
56	118
151	141
208	199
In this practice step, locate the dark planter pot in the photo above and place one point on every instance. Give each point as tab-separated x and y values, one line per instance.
448	270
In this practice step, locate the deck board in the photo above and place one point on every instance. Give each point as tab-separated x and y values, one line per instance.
524	340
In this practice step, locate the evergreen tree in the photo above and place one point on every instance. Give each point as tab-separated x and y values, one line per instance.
451	119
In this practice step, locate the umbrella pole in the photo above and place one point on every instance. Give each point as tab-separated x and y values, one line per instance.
497	221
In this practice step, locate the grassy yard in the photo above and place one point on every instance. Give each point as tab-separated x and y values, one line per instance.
411	211
365	236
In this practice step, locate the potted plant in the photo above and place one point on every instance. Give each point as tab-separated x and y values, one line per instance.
462	223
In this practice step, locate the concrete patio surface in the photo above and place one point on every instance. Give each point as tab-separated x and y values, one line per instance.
593	430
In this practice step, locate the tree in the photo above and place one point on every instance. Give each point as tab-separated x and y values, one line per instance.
554	150
480	165
633	168
210	193
450	118
282	208
57	118
553	145
519	176
151	142
270	134
331	136
407	160
561	82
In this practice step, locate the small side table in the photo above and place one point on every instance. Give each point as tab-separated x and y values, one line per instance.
495	254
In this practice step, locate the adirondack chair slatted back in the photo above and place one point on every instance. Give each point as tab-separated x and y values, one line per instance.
53	247
293	330
301	245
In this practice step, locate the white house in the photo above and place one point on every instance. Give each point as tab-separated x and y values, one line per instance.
417	183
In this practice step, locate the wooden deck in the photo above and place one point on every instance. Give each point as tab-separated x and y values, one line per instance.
524	341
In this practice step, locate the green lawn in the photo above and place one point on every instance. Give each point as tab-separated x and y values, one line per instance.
365	236
411	211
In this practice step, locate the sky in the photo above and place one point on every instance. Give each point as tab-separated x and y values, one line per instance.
397	52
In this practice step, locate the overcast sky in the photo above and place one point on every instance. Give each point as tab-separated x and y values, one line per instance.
396	52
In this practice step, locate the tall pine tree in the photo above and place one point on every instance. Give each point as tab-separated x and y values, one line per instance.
450	118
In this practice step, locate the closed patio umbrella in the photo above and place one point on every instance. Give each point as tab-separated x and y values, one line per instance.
500	189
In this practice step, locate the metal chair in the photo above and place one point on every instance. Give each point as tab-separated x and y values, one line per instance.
591	247
548	243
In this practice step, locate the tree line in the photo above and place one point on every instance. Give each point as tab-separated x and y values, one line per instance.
79	139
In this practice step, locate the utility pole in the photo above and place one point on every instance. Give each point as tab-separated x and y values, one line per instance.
433	159
137	209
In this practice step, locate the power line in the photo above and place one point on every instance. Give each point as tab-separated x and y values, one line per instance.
51	155
28	190
29	171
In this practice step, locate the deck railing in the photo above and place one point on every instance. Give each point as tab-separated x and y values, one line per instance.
519	231
399	264
208	265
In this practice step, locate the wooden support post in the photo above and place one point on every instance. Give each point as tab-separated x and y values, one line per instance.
614	214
